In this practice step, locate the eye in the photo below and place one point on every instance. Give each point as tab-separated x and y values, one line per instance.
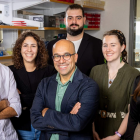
56	56
104	45
79	18
24	46
112	45
67	54
69	18
33	46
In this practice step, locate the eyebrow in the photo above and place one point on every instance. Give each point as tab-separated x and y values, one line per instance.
27	44
75	16
63	54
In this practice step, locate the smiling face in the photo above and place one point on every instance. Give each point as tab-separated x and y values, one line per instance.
74	21
65	67
29	50
111	48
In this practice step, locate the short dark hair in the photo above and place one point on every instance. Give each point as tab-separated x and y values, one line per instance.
75	6
42	55
121	39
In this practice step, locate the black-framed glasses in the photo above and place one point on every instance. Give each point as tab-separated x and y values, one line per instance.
66	56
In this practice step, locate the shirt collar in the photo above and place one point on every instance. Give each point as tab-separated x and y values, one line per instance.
70	80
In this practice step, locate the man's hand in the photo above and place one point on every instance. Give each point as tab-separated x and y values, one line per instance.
76	108
3	104
114	137
44	111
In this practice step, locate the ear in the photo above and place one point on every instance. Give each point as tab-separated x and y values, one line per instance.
84	19
65	20
76	57
123	47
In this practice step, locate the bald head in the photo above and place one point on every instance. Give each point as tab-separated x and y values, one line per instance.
64	58
64	44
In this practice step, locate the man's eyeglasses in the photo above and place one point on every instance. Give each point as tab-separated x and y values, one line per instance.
66	56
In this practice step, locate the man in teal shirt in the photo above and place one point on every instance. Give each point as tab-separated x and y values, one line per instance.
66	103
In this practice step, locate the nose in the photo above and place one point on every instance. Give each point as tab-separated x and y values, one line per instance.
29	48
74	20
108	48
62	60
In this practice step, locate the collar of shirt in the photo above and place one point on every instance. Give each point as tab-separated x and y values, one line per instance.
70	80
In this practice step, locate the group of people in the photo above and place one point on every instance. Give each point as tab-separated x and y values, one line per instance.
79	88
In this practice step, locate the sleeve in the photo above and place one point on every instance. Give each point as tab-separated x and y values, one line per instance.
66	122
13	96
133	116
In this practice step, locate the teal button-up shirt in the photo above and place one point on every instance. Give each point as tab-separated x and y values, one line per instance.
61	89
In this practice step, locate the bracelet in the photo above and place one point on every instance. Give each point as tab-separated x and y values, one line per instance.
117	133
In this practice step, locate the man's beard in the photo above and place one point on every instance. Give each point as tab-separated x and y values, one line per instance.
75	32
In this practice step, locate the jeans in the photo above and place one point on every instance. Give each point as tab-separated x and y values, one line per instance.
34	134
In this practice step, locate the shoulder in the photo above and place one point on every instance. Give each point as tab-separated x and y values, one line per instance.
12	67
49	70
85	81
92	38
131	70
98	68
5	70
46	81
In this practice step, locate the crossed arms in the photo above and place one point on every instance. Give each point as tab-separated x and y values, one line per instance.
11	106
54	120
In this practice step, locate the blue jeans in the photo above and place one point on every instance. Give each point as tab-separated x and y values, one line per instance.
34	134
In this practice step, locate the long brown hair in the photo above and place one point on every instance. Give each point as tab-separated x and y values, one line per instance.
42	55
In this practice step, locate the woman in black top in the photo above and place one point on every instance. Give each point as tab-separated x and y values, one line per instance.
30	67
134	115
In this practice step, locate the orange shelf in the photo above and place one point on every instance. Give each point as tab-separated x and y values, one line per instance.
18	27
84	6
5	57
68	3
94	8
54	28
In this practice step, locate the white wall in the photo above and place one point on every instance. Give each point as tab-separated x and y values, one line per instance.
115	16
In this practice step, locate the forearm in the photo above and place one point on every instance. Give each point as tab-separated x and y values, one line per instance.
7	113
3	104
123	126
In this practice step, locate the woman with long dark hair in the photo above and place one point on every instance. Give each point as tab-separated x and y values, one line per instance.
30	67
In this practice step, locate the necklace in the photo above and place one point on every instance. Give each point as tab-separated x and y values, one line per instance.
111	79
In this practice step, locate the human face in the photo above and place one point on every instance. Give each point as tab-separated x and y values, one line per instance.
111	48
29	50
65	67
74	22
